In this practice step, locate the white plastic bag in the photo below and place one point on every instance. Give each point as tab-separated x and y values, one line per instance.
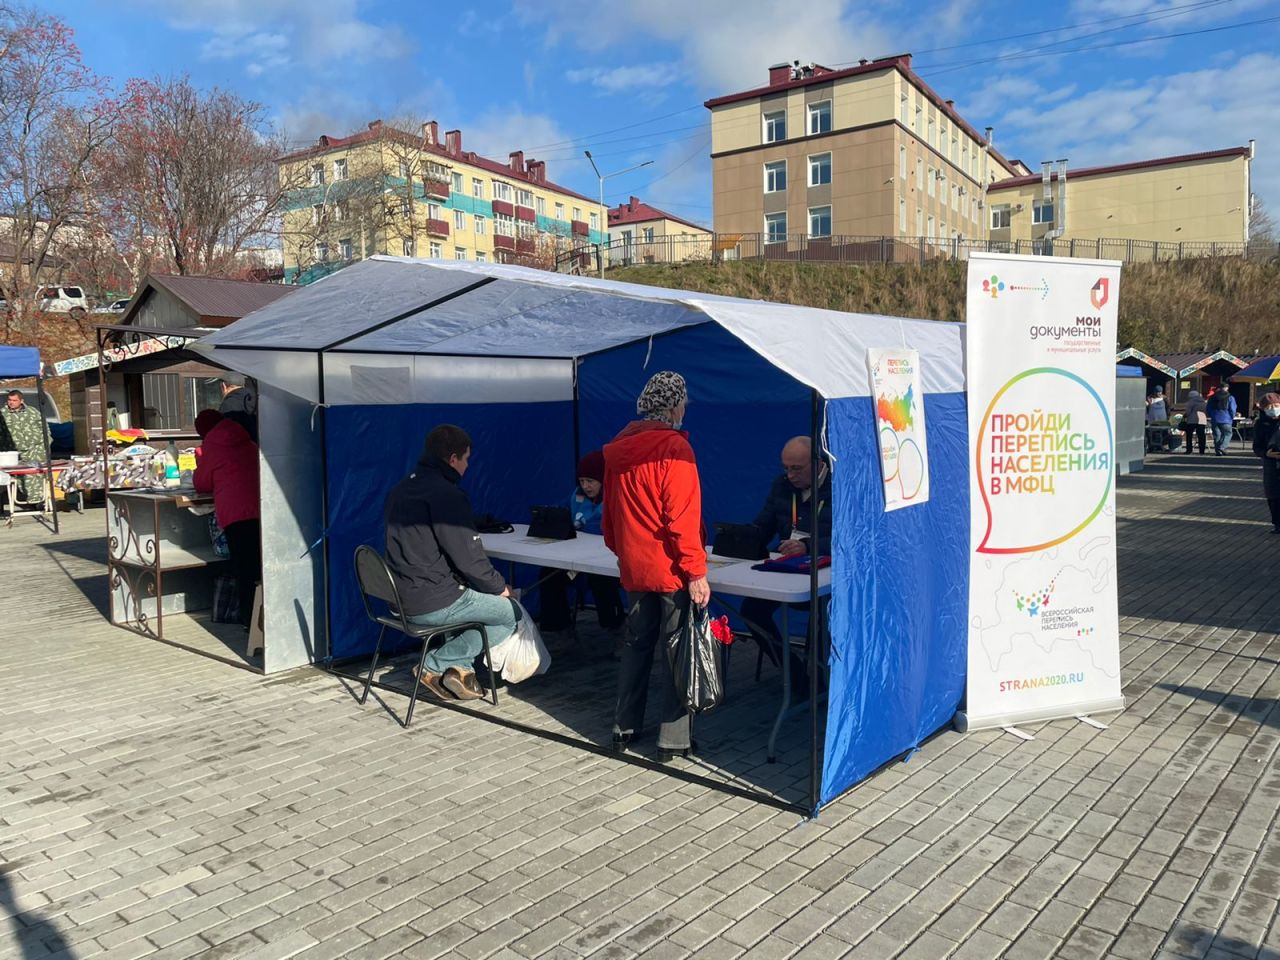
523	654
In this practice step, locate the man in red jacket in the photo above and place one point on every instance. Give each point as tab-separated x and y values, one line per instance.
652	520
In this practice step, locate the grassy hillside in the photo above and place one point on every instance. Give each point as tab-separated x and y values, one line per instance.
1164	307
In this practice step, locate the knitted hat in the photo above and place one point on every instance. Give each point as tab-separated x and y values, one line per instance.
591	466
206	420
665	389
1270	400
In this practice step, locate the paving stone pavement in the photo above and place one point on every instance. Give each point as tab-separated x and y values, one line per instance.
154	803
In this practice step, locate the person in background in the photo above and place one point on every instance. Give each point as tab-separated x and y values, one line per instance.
652	521
1194	419
1266	445
1222	415
28	433
1157	408
440	567
227	467
785	517
236	396
585	507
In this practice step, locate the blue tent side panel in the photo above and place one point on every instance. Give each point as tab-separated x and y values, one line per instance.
18	362
899	598
742	409
522	455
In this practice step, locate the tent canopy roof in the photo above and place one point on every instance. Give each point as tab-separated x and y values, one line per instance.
1262	370
18	362
401	305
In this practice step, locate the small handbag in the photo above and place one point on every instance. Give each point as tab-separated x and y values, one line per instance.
226	600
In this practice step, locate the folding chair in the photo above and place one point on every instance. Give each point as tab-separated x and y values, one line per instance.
376	582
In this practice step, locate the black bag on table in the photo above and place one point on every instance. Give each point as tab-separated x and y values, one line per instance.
694	655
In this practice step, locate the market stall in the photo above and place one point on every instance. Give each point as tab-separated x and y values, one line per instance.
540	366
18	363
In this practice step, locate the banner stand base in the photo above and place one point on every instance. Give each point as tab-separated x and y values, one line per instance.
968	723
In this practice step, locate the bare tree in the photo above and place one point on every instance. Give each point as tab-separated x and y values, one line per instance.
1262	228
191	179
53	121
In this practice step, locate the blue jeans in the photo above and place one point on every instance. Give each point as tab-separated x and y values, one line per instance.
495	612
1221	436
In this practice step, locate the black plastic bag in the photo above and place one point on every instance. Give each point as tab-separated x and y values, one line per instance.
694	655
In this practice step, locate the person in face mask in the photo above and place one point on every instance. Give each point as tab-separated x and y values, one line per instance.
1266	444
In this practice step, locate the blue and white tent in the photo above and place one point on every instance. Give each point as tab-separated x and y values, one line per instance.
540	366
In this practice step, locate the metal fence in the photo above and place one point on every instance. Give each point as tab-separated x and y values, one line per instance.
800	248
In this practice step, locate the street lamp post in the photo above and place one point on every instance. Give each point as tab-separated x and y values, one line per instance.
602	177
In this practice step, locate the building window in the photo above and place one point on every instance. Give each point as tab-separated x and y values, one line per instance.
459	253
433	211
405	208
973	209
1001	217
340	169
933	132
559	211
955	150
919	173
317	213
819	222
775	176
919	119
479	224
1042	211
903	105
942	138
404	169
973	164
317	174
477	188
942	190
525	198
577	214
819	169
902	217
930	176
964	156
481	257
919	222
955	196
345	250
459	220
434	249
595	221
775	126
775	228
342	211
502	191
648	234
902	166
820	117
456	183
504	225
322	251
541	204
407	247
932	233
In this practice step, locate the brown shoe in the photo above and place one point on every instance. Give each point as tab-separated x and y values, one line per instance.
464	686
432	685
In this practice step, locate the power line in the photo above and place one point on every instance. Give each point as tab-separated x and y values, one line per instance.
600	133
694	153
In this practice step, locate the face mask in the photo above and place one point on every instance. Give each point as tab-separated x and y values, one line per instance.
1273	411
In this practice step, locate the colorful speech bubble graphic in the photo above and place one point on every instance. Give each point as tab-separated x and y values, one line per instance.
1045	460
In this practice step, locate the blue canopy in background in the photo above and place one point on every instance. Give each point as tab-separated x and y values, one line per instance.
541	367
18	362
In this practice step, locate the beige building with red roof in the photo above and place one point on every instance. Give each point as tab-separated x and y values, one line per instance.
641	233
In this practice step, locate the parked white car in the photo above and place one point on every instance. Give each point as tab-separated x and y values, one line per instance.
64	300
115	306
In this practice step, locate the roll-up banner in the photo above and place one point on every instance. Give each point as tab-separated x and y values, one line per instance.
900	428
1044	629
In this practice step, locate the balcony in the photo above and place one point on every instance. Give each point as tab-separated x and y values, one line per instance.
501	242
526	245
526	214
503	206
580	229
437	228
436	188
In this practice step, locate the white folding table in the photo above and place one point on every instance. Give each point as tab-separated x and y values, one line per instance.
586	553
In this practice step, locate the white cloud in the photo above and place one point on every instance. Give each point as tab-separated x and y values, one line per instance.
1190	112
271	35
724	44
645	76
503	129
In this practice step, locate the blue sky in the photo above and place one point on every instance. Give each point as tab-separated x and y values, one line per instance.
552	77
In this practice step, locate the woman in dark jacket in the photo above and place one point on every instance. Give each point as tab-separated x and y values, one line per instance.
1266	444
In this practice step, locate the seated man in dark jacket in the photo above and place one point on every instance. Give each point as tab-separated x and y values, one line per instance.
786	517
439	566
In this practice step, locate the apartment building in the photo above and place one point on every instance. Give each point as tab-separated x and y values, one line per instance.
868	151
1197	198
641	233
389	191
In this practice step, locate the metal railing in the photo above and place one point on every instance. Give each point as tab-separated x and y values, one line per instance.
800	248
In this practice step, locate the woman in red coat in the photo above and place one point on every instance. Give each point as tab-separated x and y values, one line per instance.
228	468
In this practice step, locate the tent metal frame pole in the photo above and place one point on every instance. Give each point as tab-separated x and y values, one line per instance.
815	613
322	413
485	281
48	454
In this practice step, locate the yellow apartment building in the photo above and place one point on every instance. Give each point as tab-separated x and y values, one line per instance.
868	151
387	191
641	233
1197	198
